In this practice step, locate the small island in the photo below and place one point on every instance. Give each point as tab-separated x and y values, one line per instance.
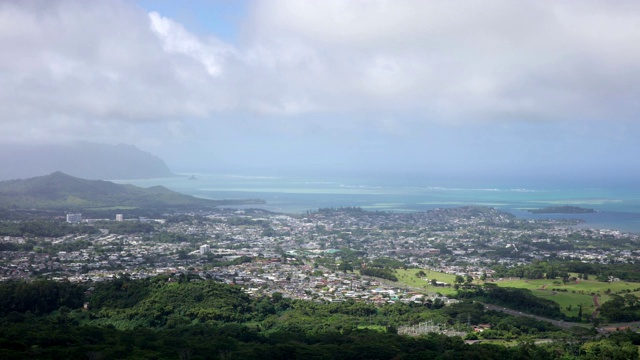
561	210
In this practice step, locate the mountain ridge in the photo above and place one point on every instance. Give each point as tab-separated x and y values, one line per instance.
62	191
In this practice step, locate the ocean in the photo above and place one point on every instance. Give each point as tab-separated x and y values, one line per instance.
616	208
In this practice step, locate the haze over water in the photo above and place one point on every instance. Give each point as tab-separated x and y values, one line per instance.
617	207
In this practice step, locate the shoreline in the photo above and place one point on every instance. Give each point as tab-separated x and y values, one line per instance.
616	209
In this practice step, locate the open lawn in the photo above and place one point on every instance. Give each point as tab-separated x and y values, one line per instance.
409	278
569	302
569	296
378	328
572	294
579	286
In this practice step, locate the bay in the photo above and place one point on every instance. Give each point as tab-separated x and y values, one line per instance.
617	208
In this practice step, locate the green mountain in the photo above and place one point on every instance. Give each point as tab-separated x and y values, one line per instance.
62	191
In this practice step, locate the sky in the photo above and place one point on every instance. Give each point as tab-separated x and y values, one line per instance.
448	89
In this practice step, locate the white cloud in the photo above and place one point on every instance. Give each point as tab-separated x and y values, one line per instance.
92	68
459	60
101	63
176	39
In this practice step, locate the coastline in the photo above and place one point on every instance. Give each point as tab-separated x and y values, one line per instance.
617	209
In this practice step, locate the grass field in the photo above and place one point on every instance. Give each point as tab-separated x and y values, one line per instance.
581	286
378	328
409	278
569	302
577	293
569	296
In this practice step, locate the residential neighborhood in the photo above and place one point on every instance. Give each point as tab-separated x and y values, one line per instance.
312	256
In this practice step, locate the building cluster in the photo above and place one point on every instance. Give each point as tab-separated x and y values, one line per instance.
300	256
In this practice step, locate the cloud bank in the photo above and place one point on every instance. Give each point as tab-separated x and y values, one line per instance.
113	71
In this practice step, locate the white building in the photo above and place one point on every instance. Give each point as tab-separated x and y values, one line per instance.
204	249
119	217
74	218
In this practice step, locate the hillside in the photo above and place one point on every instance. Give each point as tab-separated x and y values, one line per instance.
62	191
186	317
84	160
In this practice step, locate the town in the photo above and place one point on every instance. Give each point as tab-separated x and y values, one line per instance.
318	255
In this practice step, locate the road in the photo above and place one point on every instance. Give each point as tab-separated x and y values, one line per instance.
559	323
564	324
596	304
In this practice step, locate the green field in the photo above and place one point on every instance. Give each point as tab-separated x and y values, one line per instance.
580	286
409	278
577	293
569	296
569	302
378	328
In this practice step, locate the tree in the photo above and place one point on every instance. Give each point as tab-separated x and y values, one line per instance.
459	279
276	297
631	299
345	266
608	349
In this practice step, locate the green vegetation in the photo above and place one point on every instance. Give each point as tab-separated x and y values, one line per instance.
127	227
573	285
577	295
61	191
178	317
381	273
622	308
573	299
519	299
39	297
43	229
602	272
572	305
410	278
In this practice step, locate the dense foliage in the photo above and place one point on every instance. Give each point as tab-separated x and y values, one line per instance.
39	297
560	269
515	298
626	272
43	229
178	317
379	272
621	308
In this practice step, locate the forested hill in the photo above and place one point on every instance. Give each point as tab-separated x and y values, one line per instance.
184	317
62	191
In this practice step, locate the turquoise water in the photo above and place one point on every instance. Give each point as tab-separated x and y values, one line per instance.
618	208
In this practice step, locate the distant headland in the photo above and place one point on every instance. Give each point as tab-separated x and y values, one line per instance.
85	160
561	210
61	191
